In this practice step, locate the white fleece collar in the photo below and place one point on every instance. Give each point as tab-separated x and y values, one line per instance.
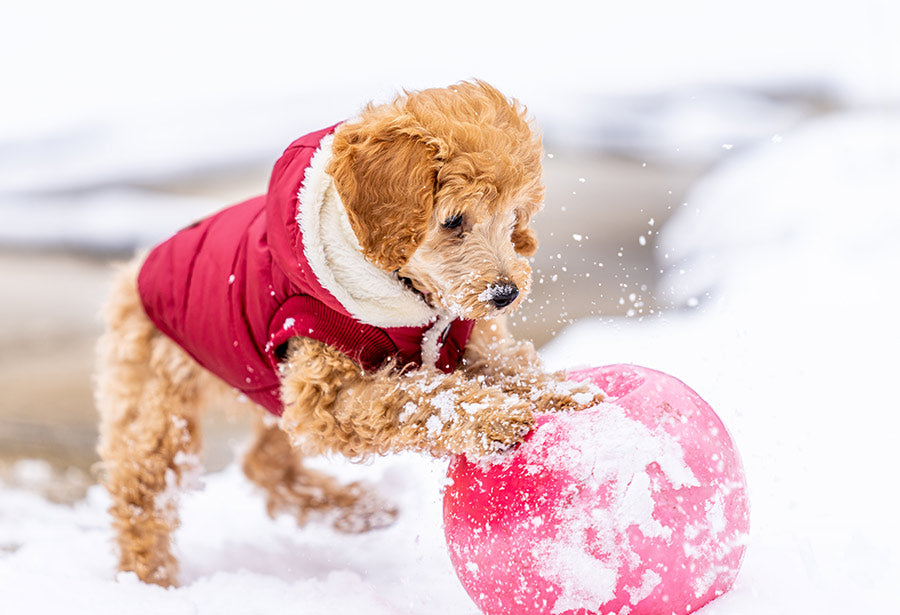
332	250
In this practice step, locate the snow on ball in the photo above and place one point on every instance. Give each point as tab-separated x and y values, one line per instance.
635	506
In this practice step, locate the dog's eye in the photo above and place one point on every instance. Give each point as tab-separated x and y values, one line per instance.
453	221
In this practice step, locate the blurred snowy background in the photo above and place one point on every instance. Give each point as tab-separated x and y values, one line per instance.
723	204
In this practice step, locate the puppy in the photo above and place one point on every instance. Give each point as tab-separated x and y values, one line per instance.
359	304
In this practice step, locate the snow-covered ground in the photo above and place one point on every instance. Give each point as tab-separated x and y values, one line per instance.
784	264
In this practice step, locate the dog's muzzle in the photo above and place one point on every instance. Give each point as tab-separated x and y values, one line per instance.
501	295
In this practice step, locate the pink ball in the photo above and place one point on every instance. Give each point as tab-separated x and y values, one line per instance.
636	506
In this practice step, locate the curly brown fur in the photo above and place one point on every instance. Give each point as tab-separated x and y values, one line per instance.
440	187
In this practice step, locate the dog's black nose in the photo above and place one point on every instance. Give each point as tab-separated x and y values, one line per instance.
504	294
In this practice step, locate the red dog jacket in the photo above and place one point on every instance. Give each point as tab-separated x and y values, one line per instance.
232	289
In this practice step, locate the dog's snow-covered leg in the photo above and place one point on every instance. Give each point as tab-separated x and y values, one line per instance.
495	356
277	467
147	394
330	404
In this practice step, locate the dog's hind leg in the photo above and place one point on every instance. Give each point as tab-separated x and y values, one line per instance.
148	392
277	467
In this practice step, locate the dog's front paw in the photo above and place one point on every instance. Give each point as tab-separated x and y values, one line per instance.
495	429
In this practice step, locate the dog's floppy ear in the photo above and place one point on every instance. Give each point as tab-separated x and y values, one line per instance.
523	236
385	175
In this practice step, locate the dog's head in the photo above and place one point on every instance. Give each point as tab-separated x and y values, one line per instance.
440	187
